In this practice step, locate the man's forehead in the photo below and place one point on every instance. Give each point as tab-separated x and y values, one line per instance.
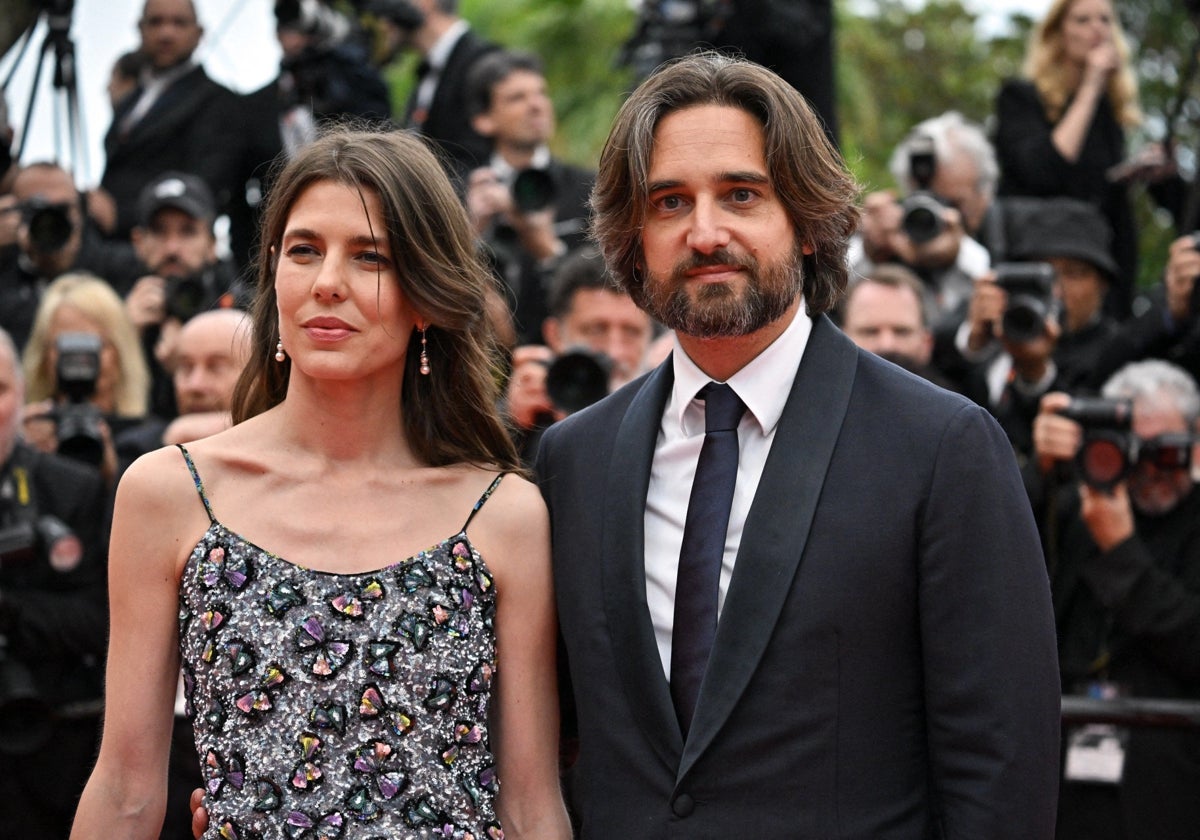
43	180
169	8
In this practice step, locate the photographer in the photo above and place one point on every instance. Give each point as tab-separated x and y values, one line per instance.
175	242
1124	553
598	340
528	207
947	171
52	623
86	379
53	236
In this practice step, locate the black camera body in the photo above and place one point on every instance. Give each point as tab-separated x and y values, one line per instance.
1030	290
49	224
577	378
189	295
1110	450
921	218
79	423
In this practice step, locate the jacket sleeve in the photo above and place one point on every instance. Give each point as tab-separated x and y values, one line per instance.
1028	159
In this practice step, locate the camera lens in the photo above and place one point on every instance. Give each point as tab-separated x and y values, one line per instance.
1102	461
533	190
186	296
577	379
1024	320
49	229
922	219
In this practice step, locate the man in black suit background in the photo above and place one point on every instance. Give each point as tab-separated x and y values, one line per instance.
176	119
857	640
449	49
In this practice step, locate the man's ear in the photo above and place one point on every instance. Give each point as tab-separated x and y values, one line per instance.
483	124
552	332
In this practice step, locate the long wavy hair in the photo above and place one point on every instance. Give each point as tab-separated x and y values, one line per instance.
449	416
1056	81
806	172
97	301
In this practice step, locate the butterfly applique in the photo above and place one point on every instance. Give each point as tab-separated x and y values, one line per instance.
307	773
381	658
219	773
267	795
440	694
241	656
465	735
460	553
229	830
480	679
215	716
353	604
376	761
413	576
373	706
446	616
282	597
260	699
421	812
219	566
414	628
322	657
302	826
214	618
332	716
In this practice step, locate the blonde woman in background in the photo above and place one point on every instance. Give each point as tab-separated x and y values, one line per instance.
79	303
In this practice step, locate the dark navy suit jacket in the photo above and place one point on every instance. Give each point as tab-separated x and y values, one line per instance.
884	667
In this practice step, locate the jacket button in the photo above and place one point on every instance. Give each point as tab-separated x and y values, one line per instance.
683	806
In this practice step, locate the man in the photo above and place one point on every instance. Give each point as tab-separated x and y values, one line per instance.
448	49
1126	581
529	207
885	313
884	660
178	119
588	313
175	241
53	236
53	619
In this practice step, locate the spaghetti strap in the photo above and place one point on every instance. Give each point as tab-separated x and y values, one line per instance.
200	485
474	510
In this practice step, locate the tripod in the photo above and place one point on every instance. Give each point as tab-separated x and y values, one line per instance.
58	44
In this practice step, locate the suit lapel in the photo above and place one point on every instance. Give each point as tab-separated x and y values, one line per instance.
622	554
776	528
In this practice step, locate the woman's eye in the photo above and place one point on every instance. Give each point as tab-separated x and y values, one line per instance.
301	250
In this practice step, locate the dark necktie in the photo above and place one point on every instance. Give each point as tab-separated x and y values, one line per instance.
696	586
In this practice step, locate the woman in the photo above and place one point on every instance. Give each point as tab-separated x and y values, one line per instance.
1061	130
358	575
113	378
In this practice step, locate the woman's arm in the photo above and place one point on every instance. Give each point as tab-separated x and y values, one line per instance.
154	523
1071	132
515	536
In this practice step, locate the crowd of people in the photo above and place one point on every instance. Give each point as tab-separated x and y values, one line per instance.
230	466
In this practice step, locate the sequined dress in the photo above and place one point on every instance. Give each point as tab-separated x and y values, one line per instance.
340	706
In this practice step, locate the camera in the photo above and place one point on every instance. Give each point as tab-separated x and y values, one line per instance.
922	210
1110	450
578	378
50	226
1030	290
533	190
187	296
79	423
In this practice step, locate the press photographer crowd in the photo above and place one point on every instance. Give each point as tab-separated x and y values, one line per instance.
1003	265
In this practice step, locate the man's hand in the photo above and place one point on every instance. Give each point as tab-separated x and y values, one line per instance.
1183	266
199	813
526	394
487	198
1108	515
985	312
1055	438
146	303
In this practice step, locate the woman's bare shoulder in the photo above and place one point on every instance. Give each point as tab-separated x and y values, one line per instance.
512	526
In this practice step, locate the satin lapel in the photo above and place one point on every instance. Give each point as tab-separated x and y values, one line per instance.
776	528
622	555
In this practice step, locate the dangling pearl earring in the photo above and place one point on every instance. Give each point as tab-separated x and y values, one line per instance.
279	354
424	355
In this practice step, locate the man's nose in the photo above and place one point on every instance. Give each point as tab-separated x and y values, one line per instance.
709	229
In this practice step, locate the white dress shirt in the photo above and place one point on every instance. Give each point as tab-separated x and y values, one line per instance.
763	385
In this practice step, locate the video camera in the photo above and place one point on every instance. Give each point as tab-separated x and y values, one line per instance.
1030	290
50	225
922	210
79	423
1110	450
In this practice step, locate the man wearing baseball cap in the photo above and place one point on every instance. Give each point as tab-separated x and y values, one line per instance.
175	241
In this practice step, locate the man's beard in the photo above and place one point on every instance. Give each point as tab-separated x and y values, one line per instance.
716	310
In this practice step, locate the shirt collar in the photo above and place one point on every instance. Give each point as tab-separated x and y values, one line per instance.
763	385
505	171
439	53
